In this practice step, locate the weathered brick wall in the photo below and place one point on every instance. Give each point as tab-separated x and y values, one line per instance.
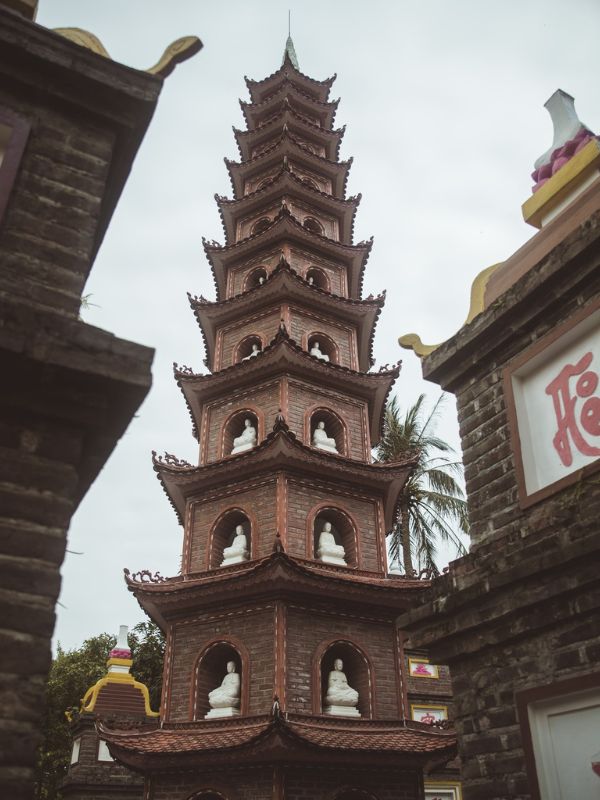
264	399
318	783
252	626
265	325
303	324
303	497
48	232
252	783
257	499
522	609
88	778
304	397
487	450
237	275
307	628
301	260
69	390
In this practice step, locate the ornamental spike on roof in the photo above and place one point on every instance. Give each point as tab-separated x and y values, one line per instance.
290	52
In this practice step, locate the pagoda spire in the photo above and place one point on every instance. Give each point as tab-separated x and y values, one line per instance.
290	52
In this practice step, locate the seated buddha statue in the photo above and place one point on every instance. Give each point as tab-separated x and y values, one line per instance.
237	550
341	698
315	351
322	441
327	550
225	699
253	353
246	440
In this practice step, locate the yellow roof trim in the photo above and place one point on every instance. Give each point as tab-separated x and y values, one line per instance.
178	51
88	703
561	183
412	341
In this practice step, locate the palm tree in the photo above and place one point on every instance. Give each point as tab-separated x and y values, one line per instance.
431	505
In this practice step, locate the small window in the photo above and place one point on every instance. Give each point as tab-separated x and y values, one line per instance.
317	277
334	538
261	225
103	752
249	348
313	225
256	278
75	750
322	347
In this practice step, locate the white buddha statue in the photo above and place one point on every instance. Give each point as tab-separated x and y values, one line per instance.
246	440
261	280
315	351
254	352
311	280
327	550
225	699
237	550
322	441
341	699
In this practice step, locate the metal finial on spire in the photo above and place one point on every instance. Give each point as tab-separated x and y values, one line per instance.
290	51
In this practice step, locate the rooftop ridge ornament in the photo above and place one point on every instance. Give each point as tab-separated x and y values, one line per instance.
566	123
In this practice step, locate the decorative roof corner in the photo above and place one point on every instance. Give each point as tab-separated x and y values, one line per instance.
175	53
567	168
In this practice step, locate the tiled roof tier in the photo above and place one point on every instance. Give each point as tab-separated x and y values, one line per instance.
289	94
279	737
282	183
367	593
284	354
274	156
285	285
331	140
285	228
259	90
281	450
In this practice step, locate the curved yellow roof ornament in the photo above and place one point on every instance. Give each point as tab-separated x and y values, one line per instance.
412	341
178	51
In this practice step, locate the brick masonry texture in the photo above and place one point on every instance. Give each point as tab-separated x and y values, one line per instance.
521	610
70	389
299	397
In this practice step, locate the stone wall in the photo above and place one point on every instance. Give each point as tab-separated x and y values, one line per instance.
69	389
521	610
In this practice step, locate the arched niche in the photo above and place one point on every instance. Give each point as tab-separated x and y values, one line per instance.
208	794
325	344
350	793
260	225
223	533
343	528
211	668
357	668
318	278
256	278
244	348
313	225
335	428
309	182
234	427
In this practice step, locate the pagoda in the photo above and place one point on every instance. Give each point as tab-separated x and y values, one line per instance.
284	674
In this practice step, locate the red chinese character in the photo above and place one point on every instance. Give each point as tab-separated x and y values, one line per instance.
573	421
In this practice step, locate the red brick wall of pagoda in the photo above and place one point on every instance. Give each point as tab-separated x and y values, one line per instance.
257	500
311	782
248	784
304	496
266	400
264	325
308	630
252	627
299	260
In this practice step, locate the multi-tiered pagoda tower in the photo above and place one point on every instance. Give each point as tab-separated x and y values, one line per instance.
262	592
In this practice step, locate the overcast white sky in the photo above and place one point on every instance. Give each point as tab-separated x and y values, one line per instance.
444	107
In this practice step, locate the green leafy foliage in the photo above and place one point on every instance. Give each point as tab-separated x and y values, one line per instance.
71	675
431	507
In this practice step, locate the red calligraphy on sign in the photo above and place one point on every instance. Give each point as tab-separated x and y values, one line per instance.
574	419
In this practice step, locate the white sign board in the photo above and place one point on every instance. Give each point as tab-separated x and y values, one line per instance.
557	406
565	733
